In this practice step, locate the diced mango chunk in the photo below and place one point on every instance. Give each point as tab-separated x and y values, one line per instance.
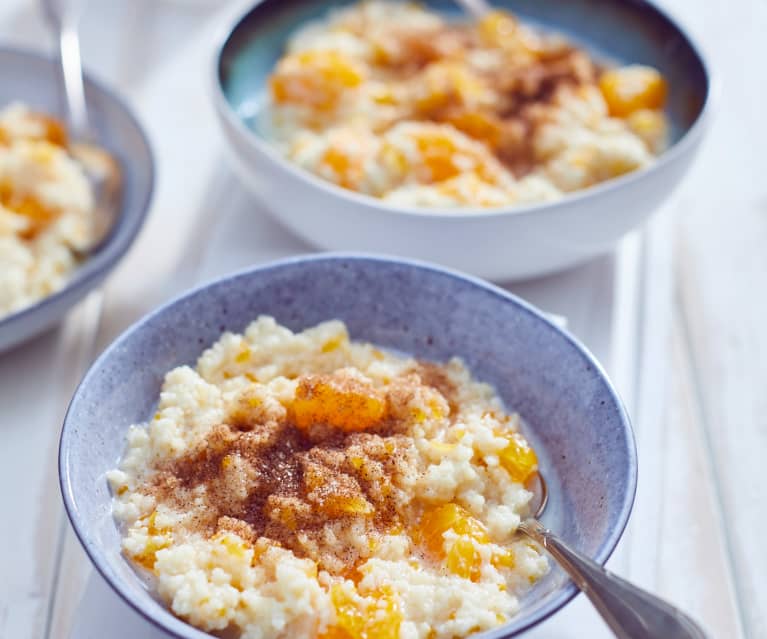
442	448
631	88
53	130
500	29
339	505
158	539
446	83
518	458
437	521
443	155
651	126
233	545
334	343
496	28
504	559
348	171
376	617
478	125
341	402
315	78
439	154
462	557
38	215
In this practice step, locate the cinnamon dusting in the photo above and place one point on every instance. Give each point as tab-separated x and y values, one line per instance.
520	93
267	473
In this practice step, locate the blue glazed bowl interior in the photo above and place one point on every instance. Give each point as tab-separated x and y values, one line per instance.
619	31
571	413
32	78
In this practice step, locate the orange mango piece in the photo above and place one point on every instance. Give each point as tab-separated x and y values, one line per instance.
518	458
379	619
314	78
462	558
38	215
631	88
343	403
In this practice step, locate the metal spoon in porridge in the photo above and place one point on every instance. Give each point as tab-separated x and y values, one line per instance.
101	168
630	612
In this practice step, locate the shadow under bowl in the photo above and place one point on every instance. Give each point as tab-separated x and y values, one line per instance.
571	413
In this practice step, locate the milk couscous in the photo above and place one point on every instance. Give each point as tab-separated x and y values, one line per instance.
46	208
391	100
303	485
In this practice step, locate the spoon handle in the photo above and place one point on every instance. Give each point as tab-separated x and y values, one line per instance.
63	17
630	612
475	8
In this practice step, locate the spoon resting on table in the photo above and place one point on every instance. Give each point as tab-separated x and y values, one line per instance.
629	611
102	170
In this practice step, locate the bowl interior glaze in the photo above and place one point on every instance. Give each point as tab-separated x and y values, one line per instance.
619	31
572	414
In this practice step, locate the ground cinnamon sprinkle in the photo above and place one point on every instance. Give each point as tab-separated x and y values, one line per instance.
434	375
264	476
522	94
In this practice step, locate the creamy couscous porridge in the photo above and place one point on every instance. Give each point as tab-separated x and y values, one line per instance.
305	485
391	100
46	208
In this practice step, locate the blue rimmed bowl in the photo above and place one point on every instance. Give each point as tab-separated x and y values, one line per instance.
32	78
571	412
501	244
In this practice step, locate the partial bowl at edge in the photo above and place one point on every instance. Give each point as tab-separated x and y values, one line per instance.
32	78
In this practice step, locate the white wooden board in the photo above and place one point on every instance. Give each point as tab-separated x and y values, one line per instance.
690	370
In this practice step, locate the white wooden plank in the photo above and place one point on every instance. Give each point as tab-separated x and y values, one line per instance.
693	568
34	391
721	238
647	340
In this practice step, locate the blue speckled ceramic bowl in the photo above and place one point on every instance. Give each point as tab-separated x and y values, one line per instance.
33	78
573	416
502	243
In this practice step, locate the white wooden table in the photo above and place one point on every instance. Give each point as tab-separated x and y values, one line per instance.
660	312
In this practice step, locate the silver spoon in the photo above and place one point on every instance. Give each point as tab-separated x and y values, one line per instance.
475	8
101	168
630	612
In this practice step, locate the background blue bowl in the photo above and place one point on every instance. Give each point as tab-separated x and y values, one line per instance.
33	78
572	415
